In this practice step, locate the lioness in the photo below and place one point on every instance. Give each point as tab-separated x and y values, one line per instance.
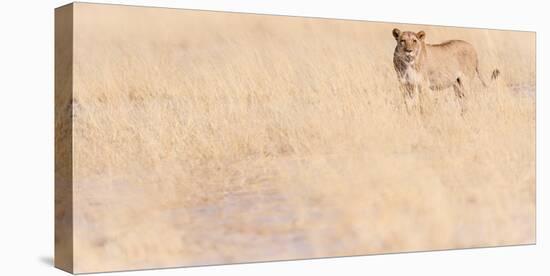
420	65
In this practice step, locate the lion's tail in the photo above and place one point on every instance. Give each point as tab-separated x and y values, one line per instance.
494	76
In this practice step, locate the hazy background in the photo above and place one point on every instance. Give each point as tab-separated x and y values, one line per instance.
210	138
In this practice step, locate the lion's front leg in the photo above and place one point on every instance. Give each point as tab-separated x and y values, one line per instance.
412	97
407	93
423	90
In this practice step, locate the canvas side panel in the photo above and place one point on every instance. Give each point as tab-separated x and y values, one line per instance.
63	138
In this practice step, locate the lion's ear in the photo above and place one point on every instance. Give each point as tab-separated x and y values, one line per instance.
396	32
421	35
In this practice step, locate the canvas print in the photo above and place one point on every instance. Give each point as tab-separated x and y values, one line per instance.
188	137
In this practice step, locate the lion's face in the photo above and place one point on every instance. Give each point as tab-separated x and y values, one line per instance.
409	44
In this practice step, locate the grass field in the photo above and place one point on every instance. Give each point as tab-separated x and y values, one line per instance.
208	138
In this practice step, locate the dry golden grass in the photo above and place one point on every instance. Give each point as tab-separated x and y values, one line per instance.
207	138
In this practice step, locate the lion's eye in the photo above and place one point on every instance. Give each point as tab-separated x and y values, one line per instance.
402	41
414	41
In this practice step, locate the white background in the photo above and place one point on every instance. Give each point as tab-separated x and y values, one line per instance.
26	136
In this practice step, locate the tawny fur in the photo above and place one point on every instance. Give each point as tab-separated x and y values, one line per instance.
419	65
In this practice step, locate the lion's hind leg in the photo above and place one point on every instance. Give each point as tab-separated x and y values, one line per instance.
459	88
